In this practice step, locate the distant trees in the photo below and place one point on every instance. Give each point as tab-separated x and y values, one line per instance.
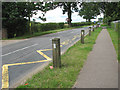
16	15
89	11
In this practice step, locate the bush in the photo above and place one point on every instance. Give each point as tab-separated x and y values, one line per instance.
17	28
49	26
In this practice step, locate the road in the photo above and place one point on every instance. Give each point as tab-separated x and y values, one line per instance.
26	51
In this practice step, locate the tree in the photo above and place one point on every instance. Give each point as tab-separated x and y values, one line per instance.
89	11
15	14
33	7
100	19
110	10
67	7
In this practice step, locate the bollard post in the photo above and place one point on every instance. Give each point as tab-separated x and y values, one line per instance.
56	52
90	32
89	28
96	26
82	36
93	28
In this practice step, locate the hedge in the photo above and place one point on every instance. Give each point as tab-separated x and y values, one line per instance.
81	24
47	26
40	27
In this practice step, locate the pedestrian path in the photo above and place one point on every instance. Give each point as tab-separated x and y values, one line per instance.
101	68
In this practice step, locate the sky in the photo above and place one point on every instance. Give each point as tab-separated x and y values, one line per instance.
57	15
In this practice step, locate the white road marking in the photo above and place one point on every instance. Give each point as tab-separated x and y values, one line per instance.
19	50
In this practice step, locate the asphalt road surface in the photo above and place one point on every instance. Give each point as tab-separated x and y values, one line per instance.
26	51
0	64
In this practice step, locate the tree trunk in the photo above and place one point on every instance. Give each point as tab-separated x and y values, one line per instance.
89	20
69	14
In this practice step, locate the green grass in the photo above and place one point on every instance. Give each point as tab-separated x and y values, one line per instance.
72	62
43	33
104	25
114	37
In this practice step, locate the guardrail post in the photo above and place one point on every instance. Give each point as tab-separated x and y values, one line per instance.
56	52
82	36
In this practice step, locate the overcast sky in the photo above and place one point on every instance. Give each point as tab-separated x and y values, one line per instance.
57	16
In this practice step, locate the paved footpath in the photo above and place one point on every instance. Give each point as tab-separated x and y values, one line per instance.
101	68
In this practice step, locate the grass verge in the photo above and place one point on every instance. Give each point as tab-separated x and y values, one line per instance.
114	38
43	33
72	62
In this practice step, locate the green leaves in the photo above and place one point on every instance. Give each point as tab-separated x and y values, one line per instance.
111	10
89	11
15	12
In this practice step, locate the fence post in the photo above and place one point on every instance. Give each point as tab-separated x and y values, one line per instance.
82	36
56	52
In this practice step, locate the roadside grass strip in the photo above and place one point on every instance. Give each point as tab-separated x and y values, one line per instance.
72	62
114	37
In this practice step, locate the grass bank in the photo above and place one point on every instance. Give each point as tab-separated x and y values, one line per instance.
43	33
114	37
72	62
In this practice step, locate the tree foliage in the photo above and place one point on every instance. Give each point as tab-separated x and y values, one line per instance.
67	7
89	11
111	11
15	15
